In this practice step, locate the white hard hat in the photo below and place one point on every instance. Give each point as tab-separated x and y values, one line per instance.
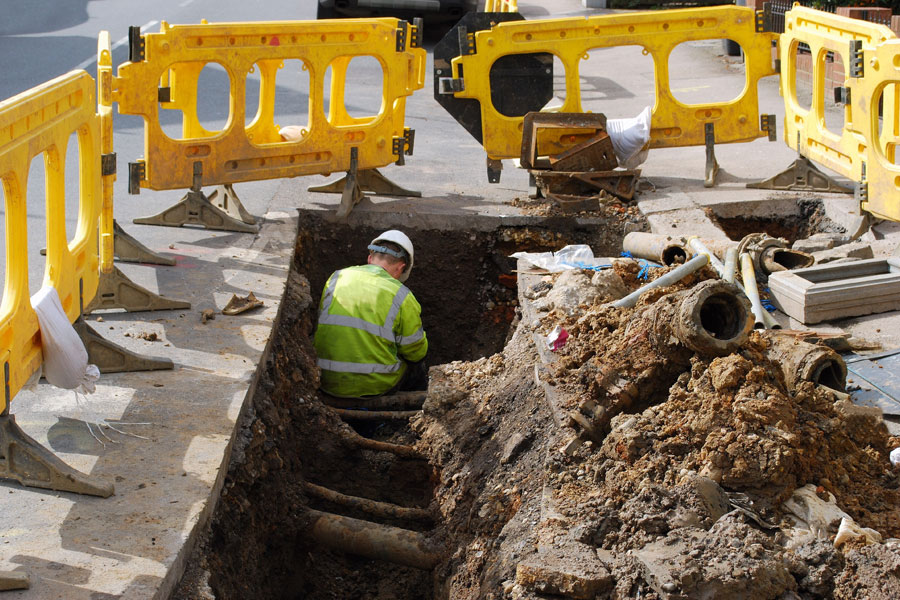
399	238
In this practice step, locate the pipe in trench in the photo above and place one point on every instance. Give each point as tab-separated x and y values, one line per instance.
664	249
712	318
749	278
673	276
374	507
769	254
395	401
801	361
373	540
699	247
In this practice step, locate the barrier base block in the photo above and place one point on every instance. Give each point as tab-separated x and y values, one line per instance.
368	180
113	358
802	175
196	209
32	465
128	249
117	291
226	199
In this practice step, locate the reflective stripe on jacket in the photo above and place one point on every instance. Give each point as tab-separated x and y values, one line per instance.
369	323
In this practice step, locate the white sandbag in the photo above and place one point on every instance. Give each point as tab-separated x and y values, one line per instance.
629	138
65	357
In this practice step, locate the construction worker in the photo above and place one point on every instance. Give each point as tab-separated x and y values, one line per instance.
370	340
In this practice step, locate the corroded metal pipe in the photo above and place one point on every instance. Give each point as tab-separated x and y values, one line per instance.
396	400
374	415
373	540
664	249
713	318
749	278
359	441
801	361
373	507
673	276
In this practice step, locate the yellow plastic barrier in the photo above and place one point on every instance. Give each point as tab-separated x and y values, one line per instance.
881	86
501	6
34	123
173	59
804	130
673	123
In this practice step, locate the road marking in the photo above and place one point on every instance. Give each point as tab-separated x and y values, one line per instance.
121	42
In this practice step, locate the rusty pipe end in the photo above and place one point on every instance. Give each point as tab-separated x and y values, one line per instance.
714	318
825	367
673	255
776	259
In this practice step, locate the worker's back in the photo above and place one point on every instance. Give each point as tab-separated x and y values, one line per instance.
368	323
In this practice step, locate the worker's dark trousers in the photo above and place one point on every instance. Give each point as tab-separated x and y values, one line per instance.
415	379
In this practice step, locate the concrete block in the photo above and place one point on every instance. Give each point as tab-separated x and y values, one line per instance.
857	250
822	293
814	243
575	572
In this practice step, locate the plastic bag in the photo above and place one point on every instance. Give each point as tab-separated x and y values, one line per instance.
575	256
65	357
629	138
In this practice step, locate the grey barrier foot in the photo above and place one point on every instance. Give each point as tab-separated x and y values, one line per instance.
712	165
117	291
802	175
112	358
369	180
196	209
14	580
128	249
226	199
32	465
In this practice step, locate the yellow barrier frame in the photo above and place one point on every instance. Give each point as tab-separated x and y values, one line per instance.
804	130
178	53
40	122
506	6
882	176
674	123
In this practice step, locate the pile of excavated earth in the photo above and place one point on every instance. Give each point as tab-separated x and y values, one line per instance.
605	452
708	477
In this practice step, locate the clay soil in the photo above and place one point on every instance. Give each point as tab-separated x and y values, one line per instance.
683	497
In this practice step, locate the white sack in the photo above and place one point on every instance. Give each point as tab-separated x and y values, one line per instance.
65	357
629	138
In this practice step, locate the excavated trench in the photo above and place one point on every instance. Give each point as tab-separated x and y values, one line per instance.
791	220
266	535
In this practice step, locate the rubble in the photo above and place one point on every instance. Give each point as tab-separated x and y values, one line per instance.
729	474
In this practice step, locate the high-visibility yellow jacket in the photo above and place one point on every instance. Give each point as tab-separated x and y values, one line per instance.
369	325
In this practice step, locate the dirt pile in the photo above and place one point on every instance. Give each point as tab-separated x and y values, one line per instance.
716	480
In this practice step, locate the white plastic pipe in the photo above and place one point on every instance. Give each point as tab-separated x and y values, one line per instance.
731	258
749	277
769	321
673	276
698	247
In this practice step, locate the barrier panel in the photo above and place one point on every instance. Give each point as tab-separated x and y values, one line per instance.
506	6
34	123
828	36
163	73
674	123
881	88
